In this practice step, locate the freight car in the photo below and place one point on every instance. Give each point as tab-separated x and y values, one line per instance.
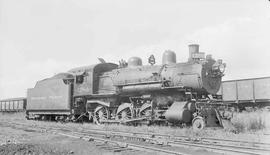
13	105
130	92
242	93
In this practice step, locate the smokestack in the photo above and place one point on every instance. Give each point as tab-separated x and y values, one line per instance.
193	48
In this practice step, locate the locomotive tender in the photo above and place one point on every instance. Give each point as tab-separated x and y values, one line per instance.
130	92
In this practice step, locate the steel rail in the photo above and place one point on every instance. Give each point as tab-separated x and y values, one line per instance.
186	142
180	137
125	144
177	136
173	143
215	147
85	136
232	146
204	145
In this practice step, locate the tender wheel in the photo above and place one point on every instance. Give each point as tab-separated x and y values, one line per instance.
198	123
101	113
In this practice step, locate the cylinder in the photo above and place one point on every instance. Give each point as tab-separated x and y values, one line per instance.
193	48
191	107
178	112
169	57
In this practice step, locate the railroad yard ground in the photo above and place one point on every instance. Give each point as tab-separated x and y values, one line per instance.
27	141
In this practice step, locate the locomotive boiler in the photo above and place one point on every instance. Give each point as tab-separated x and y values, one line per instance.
130	92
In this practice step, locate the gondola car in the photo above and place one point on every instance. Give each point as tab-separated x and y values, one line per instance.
243	93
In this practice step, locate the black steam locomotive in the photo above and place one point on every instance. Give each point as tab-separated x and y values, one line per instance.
130	92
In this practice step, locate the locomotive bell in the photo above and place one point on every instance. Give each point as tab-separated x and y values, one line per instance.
169	57
134	61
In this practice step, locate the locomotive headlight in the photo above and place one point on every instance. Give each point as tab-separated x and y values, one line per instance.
218	68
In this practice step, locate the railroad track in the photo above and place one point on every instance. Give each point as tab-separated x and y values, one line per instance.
154	141
267	133
210	143
104	141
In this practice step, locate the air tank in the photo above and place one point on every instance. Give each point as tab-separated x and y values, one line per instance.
169	57
134	61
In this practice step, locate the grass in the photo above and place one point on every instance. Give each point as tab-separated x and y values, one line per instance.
12	116
251	121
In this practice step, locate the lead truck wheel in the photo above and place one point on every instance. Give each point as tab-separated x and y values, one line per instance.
198	123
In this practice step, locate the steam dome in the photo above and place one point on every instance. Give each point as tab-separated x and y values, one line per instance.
169	57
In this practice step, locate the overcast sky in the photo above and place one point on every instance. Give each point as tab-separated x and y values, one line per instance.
39	38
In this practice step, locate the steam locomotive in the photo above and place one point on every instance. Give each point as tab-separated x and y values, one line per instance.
130	92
